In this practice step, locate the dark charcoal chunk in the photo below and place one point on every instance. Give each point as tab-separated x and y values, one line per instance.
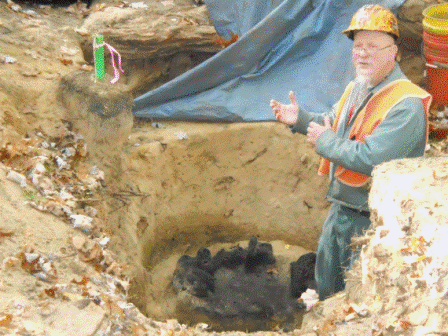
302	274
195	281
190	275
186	262
258	255
204	260
199	282
204	255
230	259
201	261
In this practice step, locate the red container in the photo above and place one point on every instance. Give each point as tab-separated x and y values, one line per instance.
437	84
435	49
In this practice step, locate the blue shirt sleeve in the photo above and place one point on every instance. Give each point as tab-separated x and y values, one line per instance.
304	118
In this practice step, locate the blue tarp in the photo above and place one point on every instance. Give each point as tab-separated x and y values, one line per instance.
283	45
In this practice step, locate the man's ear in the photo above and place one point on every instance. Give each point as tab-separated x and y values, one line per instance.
397	53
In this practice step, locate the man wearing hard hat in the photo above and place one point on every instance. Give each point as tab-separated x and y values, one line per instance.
381	116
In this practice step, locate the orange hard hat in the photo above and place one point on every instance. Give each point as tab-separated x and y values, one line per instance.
373	17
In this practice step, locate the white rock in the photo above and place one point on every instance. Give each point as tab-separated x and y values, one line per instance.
44	144
167	3
139	4
61	163
38	168
350	317
91	211
203	326
68	51
31	257
10	262
68	152
65	195
361	310
81	222
35	178
30	12
95	171
103	242
7	59
47	267
36	173
16	177
68	212
309	298
181	135
78	242
91	183
304	158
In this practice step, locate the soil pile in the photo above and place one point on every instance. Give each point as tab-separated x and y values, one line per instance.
398	285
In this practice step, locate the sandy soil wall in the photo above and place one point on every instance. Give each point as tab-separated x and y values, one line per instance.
201	184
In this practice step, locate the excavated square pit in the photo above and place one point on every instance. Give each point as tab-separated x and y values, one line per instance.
217	189
219	185
246	286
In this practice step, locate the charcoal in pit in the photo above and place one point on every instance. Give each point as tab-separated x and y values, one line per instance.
302	274
237	283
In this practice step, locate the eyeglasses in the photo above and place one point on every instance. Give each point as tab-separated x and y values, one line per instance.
369	50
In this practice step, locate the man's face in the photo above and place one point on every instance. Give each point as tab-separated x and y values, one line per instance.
373	54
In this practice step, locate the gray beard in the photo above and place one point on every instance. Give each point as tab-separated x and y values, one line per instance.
362	80
362	85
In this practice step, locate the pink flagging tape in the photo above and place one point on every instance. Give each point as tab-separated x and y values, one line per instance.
112	51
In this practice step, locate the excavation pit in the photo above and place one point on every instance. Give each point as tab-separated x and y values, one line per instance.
235	285
193	185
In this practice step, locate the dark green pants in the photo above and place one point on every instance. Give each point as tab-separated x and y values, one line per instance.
334	254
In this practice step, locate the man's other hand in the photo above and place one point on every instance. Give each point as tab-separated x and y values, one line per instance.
286	114
314	130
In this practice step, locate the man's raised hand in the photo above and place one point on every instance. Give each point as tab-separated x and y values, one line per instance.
286	114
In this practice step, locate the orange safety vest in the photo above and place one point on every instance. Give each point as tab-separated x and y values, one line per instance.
369	118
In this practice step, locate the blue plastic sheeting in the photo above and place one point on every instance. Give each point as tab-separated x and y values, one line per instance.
284	45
